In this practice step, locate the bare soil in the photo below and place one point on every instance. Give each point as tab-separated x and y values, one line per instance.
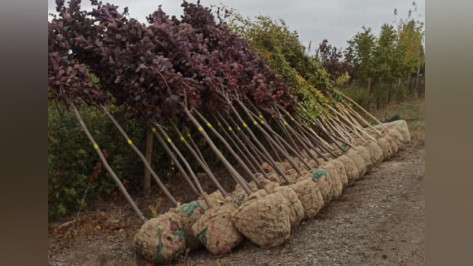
379	220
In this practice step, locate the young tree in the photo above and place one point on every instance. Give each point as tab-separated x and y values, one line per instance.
362	47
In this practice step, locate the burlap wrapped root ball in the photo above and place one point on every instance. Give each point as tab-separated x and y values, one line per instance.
351	169
216	231
309	195
214	198
341	172
324	184
365	155
360	163
160	239
384	144
296	209
397	137
401	126
375	152
189	213
333	176
264	220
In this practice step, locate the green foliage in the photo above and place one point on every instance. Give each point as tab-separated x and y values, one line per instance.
285	54
75	170
74	166
363	45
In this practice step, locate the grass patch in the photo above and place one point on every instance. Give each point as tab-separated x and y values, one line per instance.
413	111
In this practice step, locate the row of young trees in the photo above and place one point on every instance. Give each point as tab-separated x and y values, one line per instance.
390	64
193	76
245	90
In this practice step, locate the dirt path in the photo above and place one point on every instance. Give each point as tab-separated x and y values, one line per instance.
377	221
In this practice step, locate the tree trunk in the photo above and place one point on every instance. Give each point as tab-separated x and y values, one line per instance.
149	153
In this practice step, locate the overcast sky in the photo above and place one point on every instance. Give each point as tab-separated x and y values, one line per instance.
335	20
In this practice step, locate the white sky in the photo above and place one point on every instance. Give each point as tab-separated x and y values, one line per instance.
335	20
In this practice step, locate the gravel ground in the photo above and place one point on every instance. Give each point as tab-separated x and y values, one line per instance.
379	220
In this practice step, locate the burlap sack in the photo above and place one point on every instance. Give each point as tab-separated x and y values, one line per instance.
216	231
160	239
393	143
342	173
309	195
324	184
215	198
312	163
383	143
358	160
351	170
296	209
189	213
265	220
334	177
236	197
251	184
266	167
394	133
401	126
291	175
365	154
375	152
286	165
269	185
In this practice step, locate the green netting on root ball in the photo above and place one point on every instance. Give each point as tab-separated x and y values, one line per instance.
161	239
296	209
341	172
309	195
351	170
216	231
333	176
264	220
358	160
375	152
324	184
189	213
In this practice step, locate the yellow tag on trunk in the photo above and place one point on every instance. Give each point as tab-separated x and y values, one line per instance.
169	140
201	129
130	142
96	147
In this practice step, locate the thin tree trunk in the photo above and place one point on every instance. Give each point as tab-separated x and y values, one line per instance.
263	149
202	163
149	154
107	166
189	168
142	157
238	178
229	148
176	161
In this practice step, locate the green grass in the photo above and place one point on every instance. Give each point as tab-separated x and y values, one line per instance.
413	111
